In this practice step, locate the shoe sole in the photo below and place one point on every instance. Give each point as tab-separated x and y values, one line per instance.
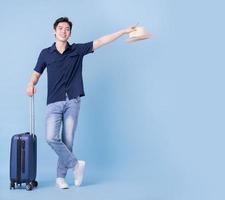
62	187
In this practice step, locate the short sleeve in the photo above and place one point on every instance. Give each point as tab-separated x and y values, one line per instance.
41	64
85	48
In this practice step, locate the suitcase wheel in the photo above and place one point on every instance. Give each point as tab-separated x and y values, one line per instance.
29	186
12	185
35	183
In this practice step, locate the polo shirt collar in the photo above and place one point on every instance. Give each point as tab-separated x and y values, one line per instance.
53	47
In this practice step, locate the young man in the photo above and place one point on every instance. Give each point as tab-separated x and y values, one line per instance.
65	87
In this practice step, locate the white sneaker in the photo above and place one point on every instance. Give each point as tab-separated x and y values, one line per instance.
78	171
61	183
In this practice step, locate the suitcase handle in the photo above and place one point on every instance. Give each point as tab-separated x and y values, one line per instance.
32	127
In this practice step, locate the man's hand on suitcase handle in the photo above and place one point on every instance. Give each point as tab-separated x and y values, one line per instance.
31	90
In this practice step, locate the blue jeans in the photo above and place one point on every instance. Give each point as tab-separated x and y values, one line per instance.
62	115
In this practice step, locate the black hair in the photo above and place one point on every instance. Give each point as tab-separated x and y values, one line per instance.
63	19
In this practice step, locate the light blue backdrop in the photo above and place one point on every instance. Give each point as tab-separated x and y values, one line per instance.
151	124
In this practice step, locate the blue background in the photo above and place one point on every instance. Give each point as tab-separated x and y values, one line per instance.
151	124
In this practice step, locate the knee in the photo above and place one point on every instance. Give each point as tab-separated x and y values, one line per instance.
51	140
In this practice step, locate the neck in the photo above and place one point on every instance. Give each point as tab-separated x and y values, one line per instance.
61	46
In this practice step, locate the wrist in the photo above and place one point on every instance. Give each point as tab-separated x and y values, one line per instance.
30	84
123	31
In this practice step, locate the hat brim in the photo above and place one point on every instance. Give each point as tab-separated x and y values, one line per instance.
134	39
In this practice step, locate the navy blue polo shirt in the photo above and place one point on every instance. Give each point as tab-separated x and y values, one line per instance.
64	71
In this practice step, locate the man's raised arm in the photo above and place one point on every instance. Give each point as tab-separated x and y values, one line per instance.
111	37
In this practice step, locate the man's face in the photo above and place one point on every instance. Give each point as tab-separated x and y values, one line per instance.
62	32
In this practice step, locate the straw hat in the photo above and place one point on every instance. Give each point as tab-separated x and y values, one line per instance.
140	33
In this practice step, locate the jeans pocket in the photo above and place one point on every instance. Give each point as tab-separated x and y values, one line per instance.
77	99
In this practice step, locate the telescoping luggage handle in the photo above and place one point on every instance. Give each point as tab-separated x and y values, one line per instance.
32	127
